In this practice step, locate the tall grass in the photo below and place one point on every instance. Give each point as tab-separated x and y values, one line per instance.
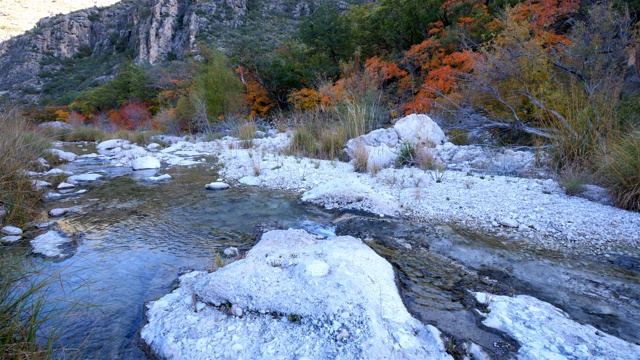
620	169
20	145
322	132
23	310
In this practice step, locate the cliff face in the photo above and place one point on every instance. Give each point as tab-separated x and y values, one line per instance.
18	16
148	32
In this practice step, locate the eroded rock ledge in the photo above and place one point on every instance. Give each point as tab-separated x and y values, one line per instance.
293	296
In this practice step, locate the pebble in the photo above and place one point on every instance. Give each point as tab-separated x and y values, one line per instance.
59	212
230	251
508	222
218	185
11	230
11	239
65	185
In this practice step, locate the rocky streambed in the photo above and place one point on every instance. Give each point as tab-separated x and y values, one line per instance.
133	232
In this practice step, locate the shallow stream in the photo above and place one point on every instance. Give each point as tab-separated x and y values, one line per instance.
135	237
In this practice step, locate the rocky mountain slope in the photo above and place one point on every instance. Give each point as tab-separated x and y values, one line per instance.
149	32
18	16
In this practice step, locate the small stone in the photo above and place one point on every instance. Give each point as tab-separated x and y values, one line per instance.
237	347
11	239
59	212
236	310
160	177
230	251
508	222
523	227
65	185
84	178
250	181
44	225
343	335
218	185
40	184
11	230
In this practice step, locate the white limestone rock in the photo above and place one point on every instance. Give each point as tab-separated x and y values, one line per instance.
339	194
11	230
40	184
419	129
56	171
546	332
145	162
63	155
381	157
339	299
87	177
508	222
217	185
11	239
110	147
59	212
388	137
48	244
162	177
65	186
250	181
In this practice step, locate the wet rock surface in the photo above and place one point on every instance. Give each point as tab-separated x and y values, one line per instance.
436	267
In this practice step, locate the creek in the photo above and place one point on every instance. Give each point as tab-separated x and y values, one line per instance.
135	237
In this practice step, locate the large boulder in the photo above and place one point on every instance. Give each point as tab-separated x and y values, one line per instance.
388	137
294	296
419	130
381	157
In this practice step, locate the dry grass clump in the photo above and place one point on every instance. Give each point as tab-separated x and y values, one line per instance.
573	180
20	145
620	170
424	159
246	134
360	157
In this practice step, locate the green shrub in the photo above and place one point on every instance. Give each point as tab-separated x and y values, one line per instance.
407	155
459	137
573	180
85	134
620	169
304	142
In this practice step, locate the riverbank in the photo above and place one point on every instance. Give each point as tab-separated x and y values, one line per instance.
533	212
408	193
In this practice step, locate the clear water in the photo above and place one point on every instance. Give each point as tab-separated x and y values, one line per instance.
136	237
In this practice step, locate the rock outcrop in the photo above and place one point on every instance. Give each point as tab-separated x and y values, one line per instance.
151	32
147	31
294	296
